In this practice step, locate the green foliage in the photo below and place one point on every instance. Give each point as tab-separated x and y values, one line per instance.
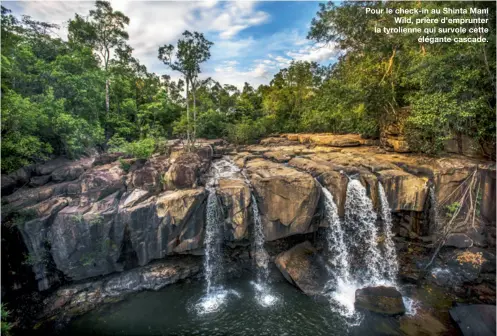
125	165
64	97
96	220
248	130
141	149
450	88
451	209
78	218
20	217
35	259
211	124
6	325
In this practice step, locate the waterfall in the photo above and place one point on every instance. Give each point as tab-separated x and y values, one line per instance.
216	294
261	285
342	287
434	225
390	266
261	256
337	248
360	223
213	256
355	258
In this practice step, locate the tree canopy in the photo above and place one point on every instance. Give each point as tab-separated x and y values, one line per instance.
65	97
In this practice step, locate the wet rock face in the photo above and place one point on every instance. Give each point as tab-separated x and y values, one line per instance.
382	300
235	197
475	320
287	198
77	299
302	266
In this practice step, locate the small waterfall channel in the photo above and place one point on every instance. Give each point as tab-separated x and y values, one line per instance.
355	258
216	293
261	285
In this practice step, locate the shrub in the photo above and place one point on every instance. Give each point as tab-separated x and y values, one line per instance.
5	325
141	149
125	166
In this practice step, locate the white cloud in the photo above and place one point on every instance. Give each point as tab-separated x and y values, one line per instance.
254	59
154	23
314	53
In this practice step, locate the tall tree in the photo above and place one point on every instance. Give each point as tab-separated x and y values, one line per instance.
105	32
192	50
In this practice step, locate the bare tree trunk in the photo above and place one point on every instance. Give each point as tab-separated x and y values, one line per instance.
187	116
107	100
194	114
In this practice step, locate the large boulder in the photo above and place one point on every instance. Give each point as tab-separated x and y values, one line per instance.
171	222
422	323
34	229
100	182
475	320
68	172
235	197
287	198
50	166
328	174
336	140
83	239
303	267
149	175
185	171
26	197
382	300
79	298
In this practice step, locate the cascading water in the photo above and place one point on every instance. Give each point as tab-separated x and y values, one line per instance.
216	294
341	285
355	258
261	256
361	233
433	211
390	266
263	296
212	260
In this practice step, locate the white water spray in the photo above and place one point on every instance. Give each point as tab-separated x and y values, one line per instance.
216	294
263	292
390	266
213	257
355	258
362	237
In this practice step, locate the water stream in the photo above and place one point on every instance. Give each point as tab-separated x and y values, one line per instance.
263	292
355	257
216	294
390	266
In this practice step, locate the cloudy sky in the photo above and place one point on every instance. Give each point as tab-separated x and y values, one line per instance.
252	40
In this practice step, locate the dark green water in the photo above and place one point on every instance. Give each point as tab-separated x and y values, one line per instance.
174	311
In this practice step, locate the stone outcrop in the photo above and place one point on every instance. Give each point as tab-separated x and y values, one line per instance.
474	320
185	171
302	267
93	217
77	299
422	323
287	198
382	300
100	215
235	197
